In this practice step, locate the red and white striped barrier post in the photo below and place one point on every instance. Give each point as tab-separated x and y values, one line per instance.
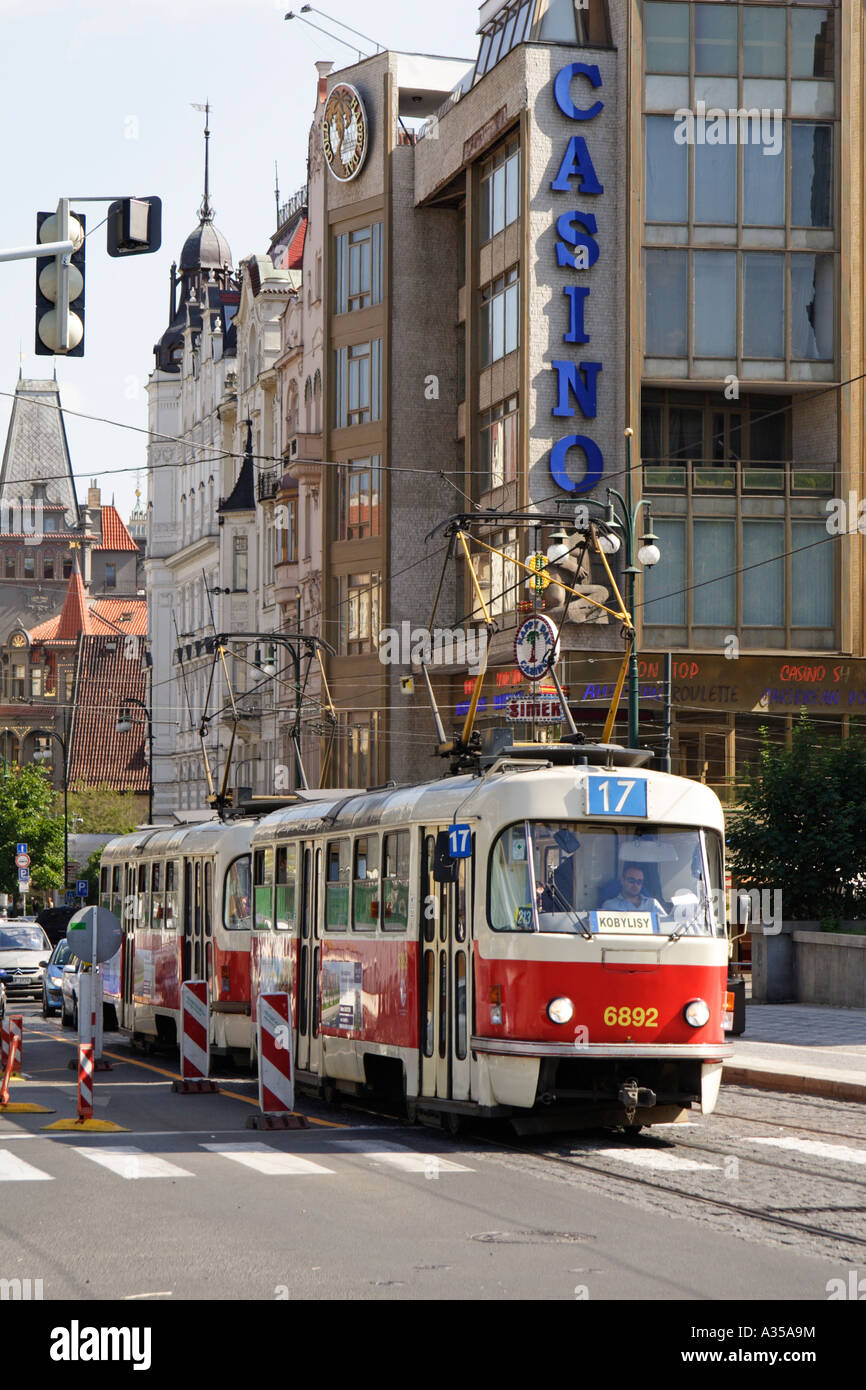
4	1045
276	1065
7	1071
85	1081
195	1039
17	1031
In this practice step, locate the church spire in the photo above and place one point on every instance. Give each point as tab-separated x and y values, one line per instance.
206	211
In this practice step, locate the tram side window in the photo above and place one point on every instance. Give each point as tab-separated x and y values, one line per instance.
337	885
116	889
143	918
366	898
208	897
236	899
157	909
104	879
263	888
287	870
172	904
395	881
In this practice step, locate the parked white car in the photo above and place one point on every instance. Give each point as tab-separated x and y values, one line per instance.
23	948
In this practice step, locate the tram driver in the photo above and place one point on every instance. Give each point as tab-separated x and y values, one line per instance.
631	898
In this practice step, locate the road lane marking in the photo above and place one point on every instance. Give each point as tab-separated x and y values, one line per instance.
129	1162
264	1159
407	1160
14	1169
840	1153
650	1158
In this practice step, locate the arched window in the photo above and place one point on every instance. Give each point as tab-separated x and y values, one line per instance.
308	405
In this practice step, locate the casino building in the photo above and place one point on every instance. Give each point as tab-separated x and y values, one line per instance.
640	215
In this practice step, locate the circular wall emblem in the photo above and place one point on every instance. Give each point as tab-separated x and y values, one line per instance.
536	646
344	132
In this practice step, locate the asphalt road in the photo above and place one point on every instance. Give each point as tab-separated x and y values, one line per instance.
764	1200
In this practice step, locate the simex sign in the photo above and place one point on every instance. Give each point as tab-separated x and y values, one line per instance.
577	249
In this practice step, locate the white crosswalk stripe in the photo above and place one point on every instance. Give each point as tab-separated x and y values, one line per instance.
265	1159
652	1158
14	1169
840	1153
407	1160
129	1162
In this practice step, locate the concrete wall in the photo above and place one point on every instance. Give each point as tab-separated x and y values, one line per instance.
803	965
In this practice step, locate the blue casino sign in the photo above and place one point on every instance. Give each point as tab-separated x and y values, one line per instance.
577	249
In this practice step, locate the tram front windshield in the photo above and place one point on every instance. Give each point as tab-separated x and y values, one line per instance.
562	876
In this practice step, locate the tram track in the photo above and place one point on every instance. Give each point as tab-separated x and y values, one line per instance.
785	1124
765	1216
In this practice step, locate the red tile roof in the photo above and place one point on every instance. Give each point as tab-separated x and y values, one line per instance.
98	754
102	617
115	534
127	614
293	259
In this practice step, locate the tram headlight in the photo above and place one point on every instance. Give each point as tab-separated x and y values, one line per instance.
560	1010
697	1013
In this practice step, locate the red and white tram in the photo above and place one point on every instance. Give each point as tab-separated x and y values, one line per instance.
183	897
544	940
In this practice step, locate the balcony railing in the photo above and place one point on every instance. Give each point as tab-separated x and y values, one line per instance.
266	485
733	476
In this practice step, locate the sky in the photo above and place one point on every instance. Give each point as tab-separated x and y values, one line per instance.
97	101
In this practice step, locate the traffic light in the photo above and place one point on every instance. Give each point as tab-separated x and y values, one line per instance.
59	287
134	226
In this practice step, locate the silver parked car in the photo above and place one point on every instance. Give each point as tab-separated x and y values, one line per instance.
23	948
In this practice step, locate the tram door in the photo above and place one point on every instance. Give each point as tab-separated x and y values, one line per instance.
193	959
308	1042
127	981
445	976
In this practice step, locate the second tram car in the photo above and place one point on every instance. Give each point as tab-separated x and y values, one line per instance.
183	897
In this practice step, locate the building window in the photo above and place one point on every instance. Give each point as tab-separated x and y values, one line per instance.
67	566
500	189
36	682
359	383
497	454
358	498
11	568
48	566
19	680
571	22
110	575
358	607
358	269
499	579
29	565
500	309
797	325
289	532
268	556
239	564
770	580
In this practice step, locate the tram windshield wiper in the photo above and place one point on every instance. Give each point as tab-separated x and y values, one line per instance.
565	906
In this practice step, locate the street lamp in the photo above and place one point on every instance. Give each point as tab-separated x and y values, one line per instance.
44	755
124	726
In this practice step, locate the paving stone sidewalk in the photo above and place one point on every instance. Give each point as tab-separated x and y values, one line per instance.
804	1048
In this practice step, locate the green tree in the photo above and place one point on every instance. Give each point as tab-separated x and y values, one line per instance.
91	873
26	813
101	808
800	826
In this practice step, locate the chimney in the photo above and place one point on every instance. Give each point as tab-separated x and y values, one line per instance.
323	68
94	495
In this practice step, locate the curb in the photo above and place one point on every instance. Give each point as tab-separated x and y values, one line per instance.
823	1086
